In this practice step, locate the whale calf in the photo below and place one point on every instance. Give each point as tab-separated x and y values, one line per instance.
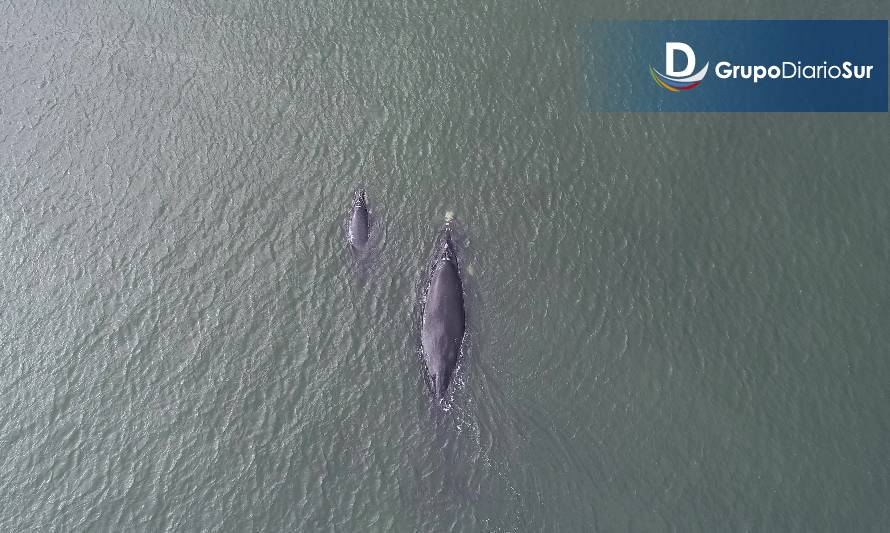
442	329
359	227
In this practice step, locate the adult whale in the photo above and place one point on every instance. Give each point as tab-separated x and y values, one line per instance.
442	329
359	227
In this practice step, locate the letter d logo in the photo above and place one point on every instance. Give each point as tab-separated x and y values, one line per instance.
674	80
670	49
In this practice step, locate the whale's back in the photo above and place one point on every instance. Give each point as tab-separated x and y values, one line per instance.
359	222
443	325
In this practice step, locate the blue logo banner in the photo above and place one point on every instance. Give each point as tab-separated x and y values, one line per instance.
734	65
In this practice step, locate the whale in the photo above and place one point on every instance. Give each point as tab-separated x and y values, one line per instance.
444	321
359	225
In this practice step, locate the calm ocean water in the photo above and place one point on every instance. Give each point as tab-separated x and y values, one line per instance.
676	322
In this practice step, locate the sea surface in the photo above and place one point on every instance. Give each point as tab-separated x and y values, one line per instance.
677	322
